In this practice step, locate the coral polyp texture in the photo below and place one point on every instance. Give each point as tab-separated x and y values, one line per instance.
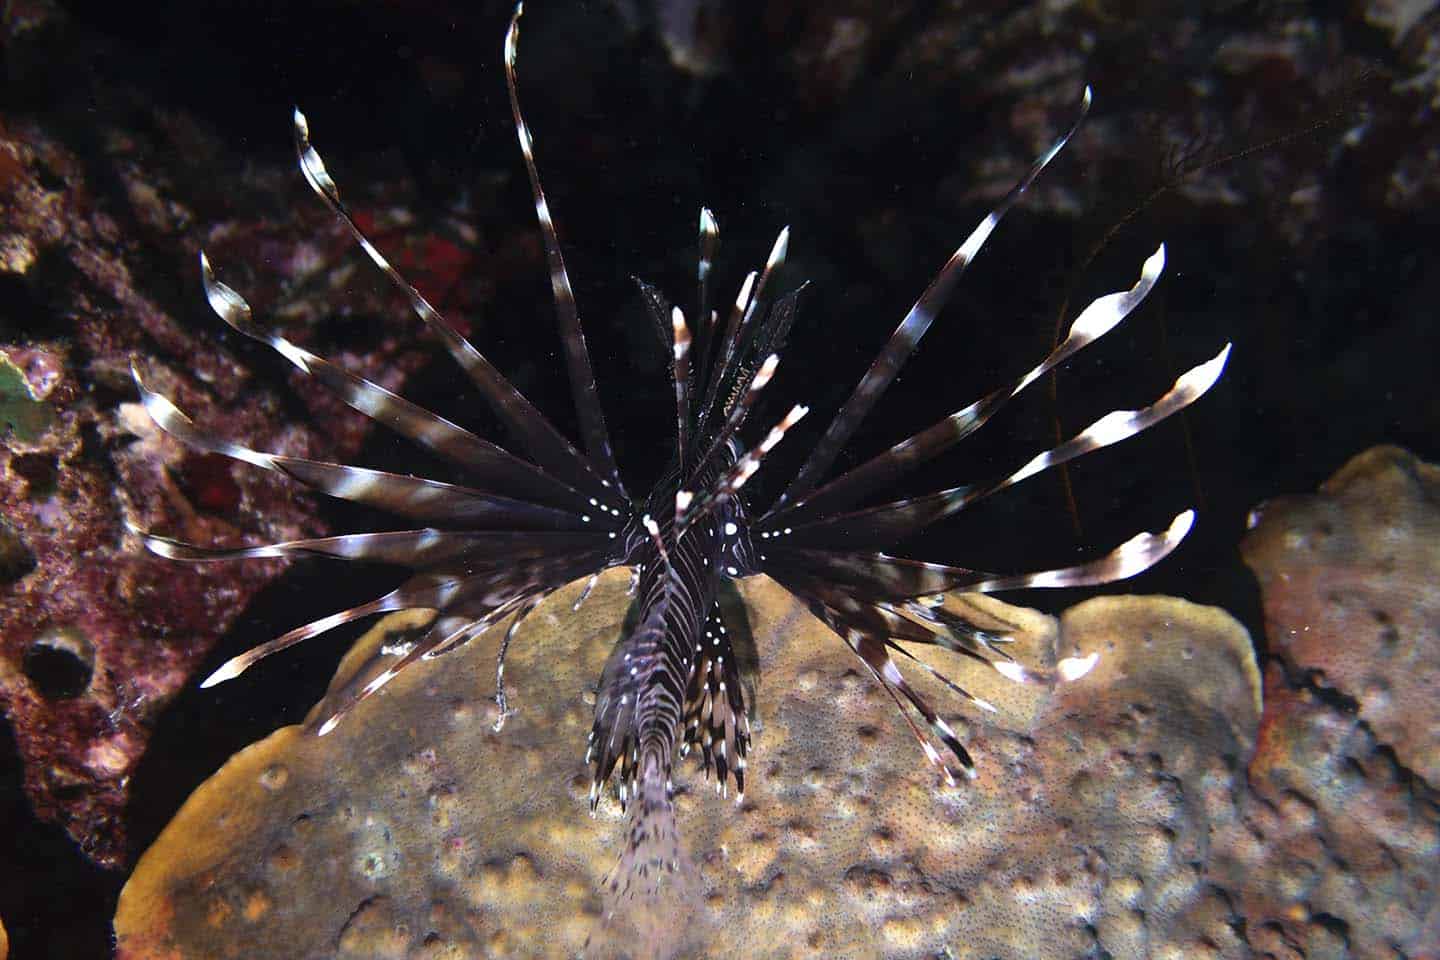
414	829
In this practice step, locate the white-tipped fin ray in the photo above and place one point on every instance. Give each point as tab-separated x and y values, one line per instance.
1099	318
907	335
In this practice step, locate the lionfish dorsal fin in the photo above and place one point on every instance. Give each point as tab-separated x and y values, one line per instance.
709	244
725	351
680	373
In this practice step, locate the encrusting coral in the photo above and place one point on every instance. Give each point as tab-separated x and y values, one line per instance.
414	829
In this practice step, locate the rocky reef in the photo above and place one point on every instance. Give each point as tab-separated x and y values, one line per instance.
96	636
115	167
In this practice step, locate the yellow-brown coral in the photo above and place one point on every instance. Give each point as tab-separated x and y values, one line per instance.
415	830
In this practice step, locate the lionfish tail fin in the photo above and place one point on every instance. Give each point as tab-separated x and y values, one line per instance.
652	850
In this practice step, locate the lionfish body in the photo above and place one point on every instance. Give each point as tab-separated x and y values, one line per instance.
531	520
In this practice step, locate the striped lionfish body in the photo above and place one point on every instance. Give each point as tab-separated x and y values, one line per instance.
530	520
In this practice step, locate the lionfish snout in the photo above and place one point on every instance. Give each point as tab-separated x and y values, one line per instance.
530	519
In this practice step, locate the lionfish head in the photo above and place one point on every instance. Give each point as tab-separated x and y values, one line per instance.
549	511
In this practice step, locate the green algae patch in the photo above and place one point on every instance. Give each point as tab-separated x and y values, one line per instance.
21	414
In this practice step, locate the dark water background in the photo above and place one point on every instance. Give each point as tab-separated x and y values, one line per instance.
1324	281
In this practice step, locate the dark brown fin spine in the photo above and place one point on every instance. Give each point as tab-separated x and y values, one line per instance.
878	576
728	353
705	262
410	496
499	469
417	549
680	374
888	523
697	508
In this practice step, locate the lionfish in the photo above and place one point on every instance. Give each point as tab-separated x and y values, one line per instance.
533	519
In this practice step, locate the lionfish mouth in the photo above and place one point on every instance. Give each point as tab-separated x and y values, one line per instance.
531	519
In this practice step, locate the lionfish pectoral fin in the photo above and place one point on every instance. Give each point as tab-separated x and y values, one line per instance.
423	591
890	522
1100	317
404	494
237	665
502	702
577	355
867	630
898	579
912	328
1134	556
501	470
874	653
539	437
447	631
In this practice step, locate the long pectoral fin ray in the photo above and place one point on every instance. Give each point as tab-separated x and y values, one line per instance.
531	428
